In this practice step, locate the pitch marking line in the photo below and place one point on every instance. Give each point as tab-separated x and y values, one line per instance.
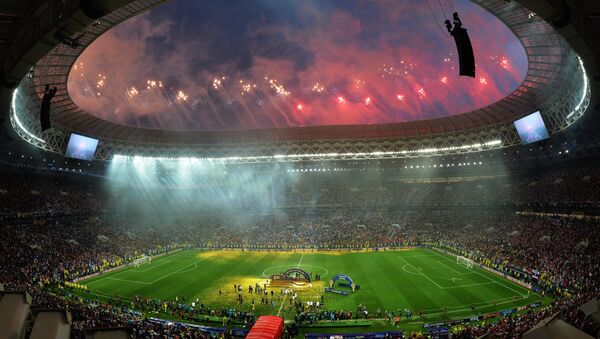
125	270
419	320
189	270
108	296
95	281
423	274
285	297
180	270
445	288
455	271
129	269
130	281
152	282
409	272
462	307
301	257
488	278
494	281
468	285
150	268
466	309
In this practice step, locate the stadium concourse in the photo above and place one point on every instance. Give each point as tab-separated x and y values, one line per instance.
117	221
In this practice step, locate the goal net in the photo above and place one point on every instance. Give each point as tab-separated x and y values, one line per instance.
465	261
142	260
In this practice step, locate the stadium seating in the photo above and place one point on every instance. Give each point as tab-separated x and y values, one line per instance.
108	333
530	213
69	241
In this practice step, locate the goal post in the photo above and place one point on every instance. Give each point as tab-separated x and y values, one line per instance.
465	261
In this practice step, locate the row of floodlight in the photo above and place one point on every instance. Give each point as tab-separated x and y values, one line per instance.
375	154
322	170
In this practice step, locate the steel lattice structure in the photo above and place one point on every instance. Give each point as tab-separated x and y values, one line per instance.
556	84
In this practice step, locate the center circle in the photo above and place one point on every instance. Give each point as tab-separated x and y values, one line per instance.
314	269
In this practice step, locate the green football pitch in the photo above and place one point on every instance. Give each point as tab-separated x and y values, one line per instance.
419	279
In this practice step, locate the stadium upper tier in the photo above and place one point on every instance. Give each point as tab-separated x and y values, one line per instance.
555	84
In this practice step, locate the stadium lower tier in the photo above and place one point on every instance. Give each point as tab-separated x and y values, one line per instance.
390	275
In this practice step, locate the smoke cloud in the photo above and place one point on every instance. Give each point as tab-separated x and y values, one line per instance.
221	65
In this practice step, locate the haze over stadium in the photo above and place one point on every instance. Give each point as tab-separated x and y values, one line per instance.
299	169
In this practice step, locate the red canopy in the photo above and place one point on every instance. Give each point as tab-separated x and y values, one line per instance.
267	327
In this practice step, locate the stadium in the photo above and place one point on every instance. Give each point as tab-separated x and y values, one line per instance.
299	169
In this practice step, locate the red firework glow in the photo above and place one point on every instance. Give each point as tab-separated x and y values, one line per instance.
347	66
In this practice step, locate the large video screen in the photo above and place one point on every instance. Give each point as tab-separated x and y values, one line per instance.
531	128
81	147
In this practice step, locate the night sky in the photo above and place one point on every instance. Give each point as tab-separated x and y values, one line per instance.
246	64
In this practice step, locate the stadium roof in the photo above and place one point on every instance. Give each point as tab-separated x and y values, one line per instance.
556	84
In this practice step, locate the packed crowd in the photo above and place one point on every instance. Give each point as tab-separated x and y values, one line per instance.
27	192
340	229
568	188
90	315
37	256
516	326
557	254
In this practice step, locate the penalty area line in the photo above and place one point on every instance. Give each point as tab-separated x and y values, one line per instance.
462	307
178	271
137	270
423	274
485	276
468	285
450	268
